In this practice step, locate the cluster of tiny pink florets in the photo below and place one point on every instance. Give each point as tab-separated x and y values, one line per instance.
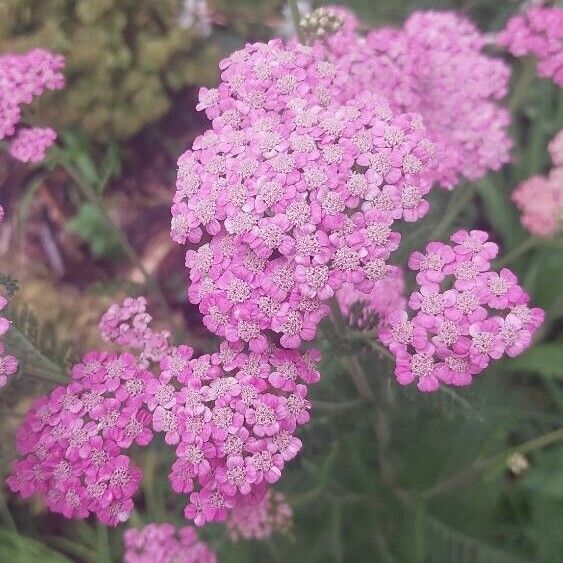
23	78
454	324
164	543
435	66
260	521
540	198
292	197
230	415
73	441
538	32
129	324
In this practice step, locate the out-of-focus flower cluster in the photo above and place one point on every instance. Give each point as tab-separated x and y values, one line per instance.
540	198
260	521
73	441
164	543
538	32
462	316
434	66
128	324
366	310
23	78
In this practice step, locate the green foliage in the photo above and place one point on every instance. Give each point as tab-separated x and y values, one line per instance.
16	548
77	150
125	58
37	346
91	226
546	359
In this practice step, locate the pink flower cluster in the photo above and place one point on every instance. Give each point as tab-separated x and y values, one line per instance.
434	66
23	78
538	32
260	521
232	416
540	198
291	194
164	543
453	326
72	442
8	364
128	324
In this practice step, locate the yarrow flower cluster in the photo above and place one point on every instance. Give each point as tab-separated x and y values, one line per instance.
540	198
434	66
462	316
23	78
259	521
538	32
291	198
128	324
291	194
164	543
73	441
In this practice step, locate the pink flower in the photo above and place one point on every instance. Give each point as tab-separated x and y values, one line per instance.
25	77
260	520
537	31
163	542
237	476
449	336
30	145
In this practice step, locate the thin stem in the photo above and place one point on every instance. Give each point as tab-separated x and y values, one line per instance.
460	199
517	252
128	249
296	17
522	87
381	424
104	552
475	470
337	407
356	371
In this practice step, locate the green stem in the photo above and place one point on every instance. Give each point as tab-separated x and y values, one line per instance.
89	193
477	468
296	17
460	199
104	551
517	252
337	407
49	370
522	87
356	371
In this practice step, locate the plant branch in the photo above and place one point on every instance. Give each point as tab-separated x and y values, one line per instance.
89	193
477	468
520	250
459	200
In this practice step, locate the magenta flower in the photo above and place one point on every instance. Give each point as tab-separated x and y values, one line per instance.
450	336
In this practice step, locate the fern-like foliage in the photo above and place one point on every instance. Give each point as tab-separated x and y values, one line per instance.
448	544
10	284
36	346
